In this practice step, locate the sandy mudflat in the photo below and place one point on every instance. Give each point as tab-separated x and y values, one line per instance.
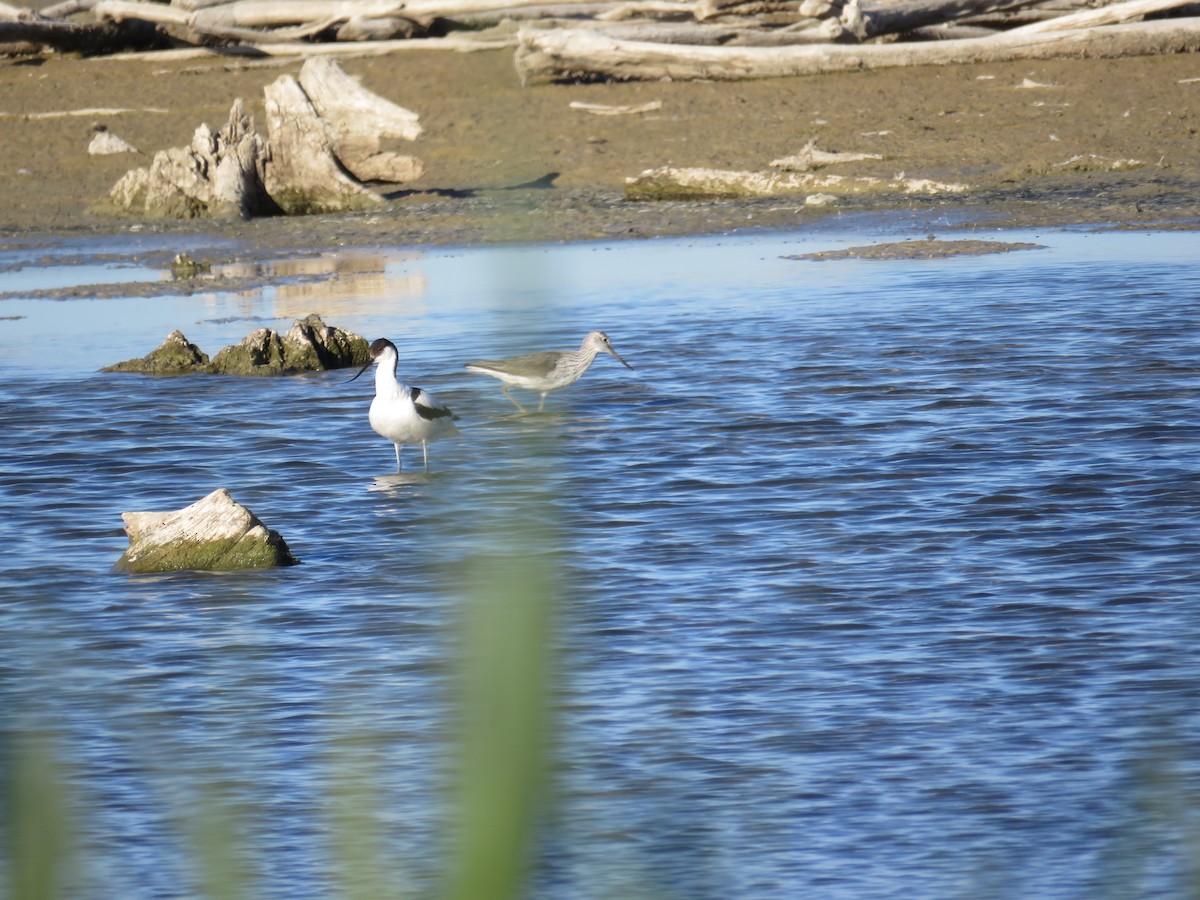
1037	143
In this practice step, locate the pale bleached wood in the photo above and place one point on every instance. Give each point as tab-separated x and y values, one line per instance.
1105	15
810	158
566	54
272	13
357	121
121	10
670	182
361	28
347	50
608	109
216	176
301	174
704	34
68	8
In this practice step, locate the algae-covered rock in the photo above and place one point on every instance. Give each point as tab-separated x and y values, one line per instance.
312	346
175	356
213	534
309	346
259	353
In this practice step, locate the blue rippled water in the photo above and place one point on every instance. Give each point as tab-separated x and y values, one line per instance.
878	578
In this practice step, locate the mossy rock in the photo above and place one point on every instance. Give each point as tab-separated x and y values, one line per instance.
259	353
309	346
214	534
175	356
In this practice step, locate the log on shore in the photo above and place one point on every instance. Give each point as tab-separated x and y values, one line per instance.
357	122
302	174
694	183
88	38
217	176
569	54
324	140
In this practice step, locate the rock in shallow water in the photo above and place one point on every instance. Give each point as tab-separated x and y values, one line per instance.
309	346
174	356
214	534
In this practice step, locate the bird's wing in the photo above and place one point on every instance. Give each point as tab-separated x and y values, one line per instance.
530	365
428	406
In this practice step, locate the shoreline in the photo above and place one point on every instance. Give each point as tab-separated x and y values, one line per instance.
1039	144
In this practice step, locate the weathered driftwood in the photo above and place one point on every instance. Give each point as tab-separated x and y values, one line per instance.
324	132
218	176
302	174
676	183
907	15
383	28
269	13
246	14
214	534
576	53
22	27
607	109
714	35
357	121
810	158
1105	15
256	52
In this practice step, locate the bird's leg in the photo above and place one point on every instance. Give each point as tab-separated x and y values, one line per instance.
425	450
504	387
399	467
542	403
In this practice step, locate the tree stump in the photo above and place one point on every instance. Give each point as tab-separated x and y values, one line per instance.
302	174
219	176
357	122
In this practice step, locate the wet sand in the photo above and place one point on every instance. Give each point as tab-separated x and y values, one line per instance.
1038	143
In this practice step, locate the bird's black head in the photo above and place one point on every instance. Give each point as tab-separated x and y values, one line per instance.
378	347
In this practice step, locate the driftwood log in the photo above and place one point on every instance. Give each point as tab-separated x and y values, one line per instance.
577	53
218	176
324	137
357	121
303	175
692	183
973	30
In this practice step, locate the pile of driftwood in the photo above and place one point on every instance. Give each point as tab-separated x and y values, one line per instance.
631	39
325	135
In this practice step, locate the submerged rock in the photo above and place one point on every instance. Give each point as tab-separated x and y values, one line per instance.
213	534
309	346
174	356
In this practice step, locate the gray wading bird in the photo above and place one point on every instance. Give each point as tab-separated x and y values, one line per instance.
548	370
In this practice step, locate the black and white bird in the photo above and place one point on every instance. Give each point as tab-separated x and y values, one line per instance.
400	413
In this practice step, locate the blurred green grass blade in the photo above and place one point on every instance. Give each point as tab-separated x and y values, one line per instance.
361	865
506	648
40	838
